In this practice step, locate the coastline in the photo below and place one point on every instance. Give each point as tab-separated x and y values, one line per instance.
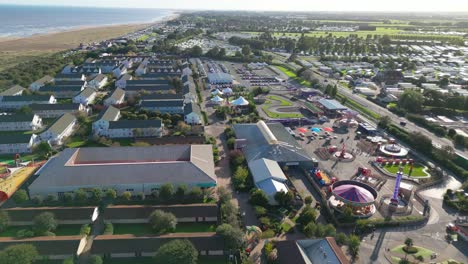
70	38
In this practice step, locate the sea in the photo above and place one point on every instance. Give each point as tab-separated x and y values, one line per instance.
24	21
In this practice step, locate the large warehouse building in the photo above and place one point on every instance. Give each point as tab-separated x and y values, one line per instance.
267	147
133	169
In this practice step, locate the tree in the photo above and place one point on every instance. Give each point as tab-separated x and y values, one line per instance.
444	82
284	198
411	100
43	149
95	260
96	195
196	51
223	195
67	197
408	242
183	128
246	51
166	191
451	133
196	194
459	140
259	197
341	239
233	237
178	251
126	196
308	200
111	194
21	253
69	260
421	142
181	192
162	222
80	196
240	177
307	215
44	222
20	196
4	220
384	121
353	244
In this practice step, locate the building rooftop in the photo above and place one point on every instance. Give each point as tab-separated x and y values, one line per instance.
166	103
177	164
62	123
87	92
332	105
16	118
284	148
13	90
109	114
52	107
316	251
117	94
44	80
26	98
125	124
16	138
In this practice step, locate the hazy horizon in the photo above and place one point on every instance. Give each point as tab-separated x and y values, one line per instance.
451	6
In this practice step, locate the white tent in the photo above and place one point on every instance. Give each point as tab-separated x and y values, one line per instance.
216	92
227	90
217	99
240	101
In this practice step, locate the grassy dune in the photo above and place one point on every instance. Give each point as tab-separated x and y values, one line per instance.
14	51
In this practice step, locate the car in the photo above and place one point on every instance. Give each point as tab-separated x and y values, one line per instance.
403	123
302	134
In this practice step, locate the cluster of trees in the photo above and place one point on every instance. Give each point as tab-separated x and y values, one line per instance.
230	229
166	194
162	222
241	179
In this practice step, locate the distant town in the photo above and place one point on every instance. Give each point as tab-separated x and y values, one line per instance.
242	137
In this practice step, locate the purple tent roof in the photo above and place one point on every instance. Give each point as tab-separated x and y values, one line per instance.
354	194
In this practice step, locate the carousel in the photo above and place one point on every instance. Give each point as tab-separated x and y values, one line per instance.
393	149
359	196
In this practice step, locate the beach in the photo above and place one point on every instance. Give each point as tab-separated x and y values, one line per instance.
16	50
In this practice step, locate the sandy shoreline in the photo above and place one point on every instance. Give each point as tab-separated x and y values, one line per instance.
71	38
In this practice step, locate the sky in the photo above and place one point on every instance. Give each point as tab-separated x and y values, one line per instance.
274	5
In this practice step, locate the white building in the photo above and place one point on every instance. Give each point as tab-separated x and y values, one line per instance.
57	110
101	125
135	128
117	97
119	71
18	122
15	90
122	82
86	97
268	177
41	82
17	143
60	130
192	114
16	102
98	82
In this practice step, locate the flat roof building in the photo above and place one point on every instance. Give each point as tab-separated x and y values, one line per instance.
133	169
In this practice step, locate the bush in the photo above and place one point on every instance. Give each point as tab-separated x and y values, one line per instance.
341	239
109	229
44	222
307	216
268	234
162	222
260	211
67	198
51	198
126	196
177	252
410	250
95	260
308	200
85	230
24	233
20	196
258	197
4	220
37	200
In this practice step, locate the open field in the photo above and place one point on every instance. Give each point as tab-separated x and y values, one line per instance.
14	51
418	170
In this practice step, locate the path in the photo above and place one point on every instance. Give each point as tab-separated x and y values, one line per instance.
96	229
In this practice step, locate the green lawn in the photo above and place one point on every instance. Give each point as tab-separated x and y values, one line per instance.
281	100
424	252
78	142
62	230
149	260
417	170
145	229
265	108
286	227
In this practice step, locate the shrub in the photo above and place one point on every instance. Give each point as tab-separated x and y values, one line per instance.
85	230
4	220
20	196
44	222
258	197
67	198
341	239
51	198
307	215
268	234
109	229
410	250
177	252
126	196
232	236
310	229
95	260
308	200
166	191
37	200
111	194
162	222
24	233
260	211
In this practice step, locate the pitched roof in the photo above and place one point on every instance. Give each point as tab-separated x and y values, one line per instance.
156	97
44	80
99	77
191	108
26	98
126	77
13	90
166	103
285	150
135	124
147	82
62	123
16	118
263	169
41	107
87	92
323	250
69	83
159	87
57	89
15	138
60	245
101	166
128	243
117	94
69	75
142	212
109	114
24	214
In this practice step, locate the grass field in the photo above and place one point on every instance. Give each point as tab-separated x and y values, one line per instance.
424	252
144	229
418	170
265	109
62	230
282	101
294	76
149	260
